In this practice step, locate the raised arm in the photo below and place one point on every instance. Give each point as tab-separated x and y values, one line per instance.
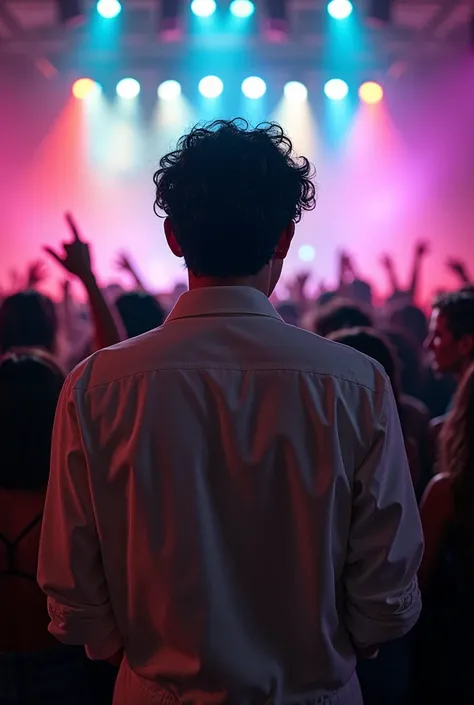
459	268
421	250
385	541
389	266
124	263
70	569
77	260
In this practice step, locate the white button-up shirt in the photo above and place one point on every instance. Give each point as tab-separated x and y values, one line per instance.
230	501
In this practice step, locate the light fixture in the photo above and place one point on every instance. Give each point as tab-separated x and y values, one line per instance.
254	87
169	90
336	89
203	8
242	8
109	8
128	88
84	87
211	87
295	92
340	9
371	92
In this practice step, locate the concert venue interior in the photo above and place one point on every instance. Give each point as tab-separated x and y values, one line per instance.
92	95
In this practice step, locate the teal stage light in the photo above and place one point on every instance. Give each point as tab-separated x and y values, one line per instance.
203	8
211	86
242	8
109	8
336	89
340	9
254	87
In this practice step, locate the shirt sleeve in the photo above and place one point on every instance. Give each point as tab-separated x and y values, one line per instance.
385	541
70	569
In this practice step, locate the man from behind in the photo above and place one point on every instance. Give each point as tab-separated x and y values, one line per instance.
230	513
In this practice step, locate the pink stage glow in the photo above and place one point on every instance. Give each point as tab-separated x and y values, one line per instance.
403	171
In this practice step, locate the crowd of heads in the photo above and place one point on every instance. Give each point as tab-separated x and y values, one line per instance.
228	192
231	196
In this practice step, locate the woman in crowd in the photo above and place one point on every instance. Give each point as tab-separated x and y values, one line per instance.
28	319
140	312
415	422
34	667
386	680
444	634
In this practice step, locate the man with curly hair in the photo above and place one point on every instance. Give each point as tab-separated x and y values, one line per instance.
230	514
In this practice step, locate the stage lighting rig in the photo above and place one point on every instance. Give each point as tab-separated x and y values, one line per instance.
380	11
71	12
276	20
171	20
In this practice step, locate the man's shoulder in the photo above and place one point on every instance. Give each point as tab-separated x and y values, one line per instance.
119	361
295	349
324	357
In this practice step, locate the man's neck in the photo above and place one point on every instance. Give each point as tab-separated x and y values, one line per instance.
255	282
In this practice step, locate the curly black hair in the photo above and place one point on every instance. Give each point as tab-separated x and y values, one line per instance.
230	191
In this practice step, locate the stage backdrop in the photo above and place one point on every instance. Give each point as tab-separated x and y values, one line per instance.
389	175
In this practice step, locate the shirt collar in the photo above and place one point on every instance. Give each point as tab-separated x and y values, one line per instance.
222	301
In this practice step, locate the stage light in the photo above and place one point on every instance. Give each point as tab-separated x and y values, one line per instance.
242	8
295	92
109	8
340	9
203	8
371	92
306	253
335	89
211	86
169	90
254	87
276	20
128	88
84	87
71	12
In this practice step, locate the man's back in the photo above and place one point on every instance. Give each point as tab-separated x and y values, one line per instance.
252	503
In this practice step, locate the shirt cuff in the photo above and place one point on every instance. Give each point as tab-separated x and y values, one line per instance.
93	627
386	621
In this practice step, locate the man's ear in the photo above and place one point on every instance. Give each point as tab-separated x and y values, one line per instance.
284	242
171	238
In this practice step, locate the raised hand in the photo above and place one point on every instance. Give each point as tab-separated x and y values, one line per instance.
387	262
124	263
76	257
37	272
458	267
422	248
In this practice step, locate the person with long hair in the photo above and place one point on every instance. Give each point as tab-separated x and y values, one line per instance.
34	668
447	572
